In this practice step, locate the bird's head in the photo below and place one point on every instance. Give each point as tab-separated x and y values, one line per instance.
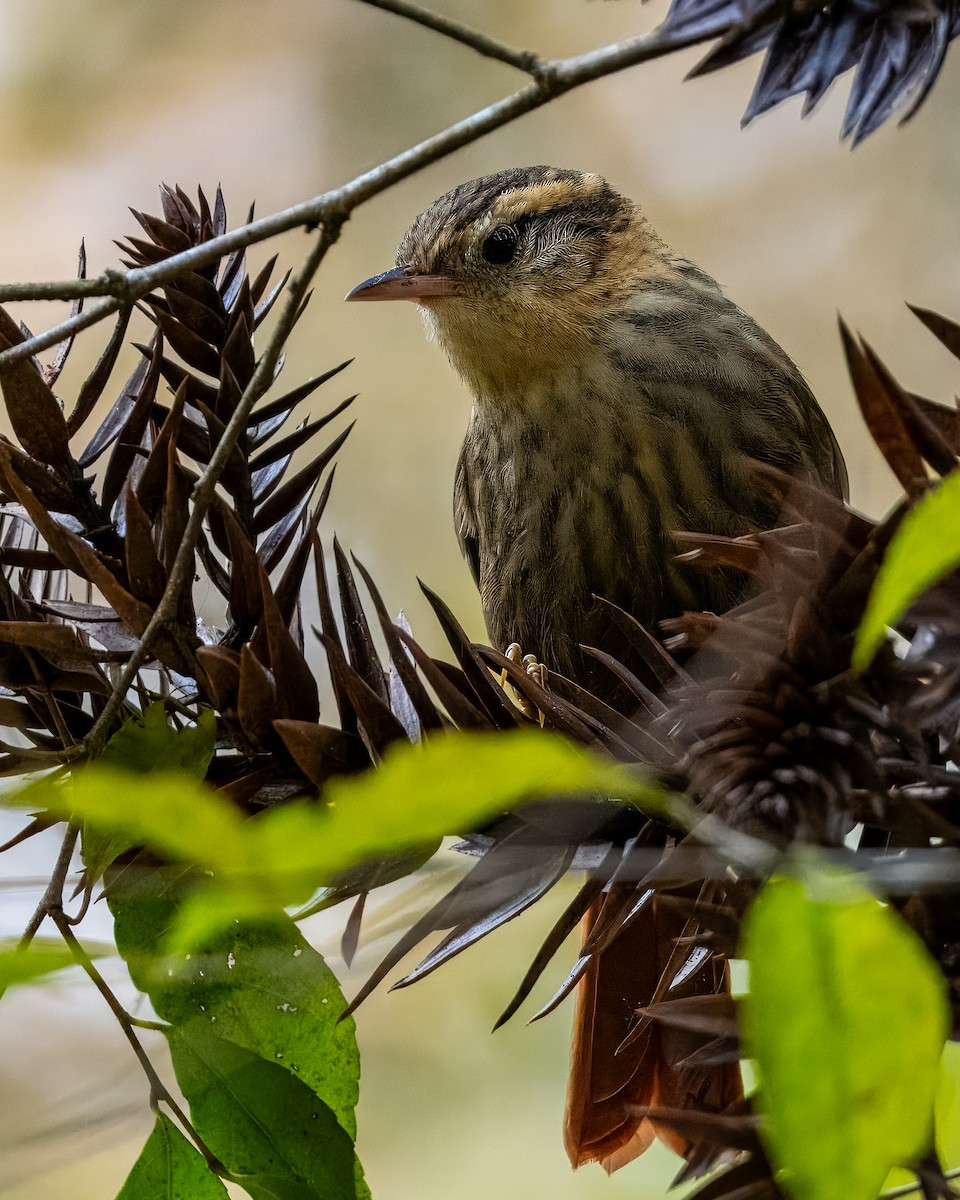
519	273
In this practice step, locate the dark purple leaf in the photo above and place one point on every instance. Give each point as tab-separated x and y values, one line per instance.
33	409
289	495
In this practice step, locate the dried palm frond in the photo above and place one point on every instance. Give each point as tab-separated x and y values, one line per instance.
898	48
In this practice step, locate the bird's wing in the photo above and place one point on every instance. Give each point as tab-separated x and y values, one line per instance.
464	519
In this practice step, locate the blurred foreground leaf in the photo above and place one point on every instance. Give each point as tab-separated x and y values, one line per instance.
170	811
453	784
40	958
450	784
924	549
846	1018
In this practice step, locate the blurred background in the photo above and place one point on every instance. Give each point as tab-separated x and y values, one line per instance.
278	100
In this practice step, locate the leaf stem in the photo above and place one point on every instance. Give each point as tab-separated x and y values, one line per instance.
907	1189
158	1090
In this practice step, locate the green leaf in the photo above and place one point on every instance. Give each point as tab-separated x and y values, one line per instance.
455	783
924	549
271	1132
99	848
38	959
451	784
171	811
947	1108
42	957
149	743
258	984
846	1018
169	1168
208	911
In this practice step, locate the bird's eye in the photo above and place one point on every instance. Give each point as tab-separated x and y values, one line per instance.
501	245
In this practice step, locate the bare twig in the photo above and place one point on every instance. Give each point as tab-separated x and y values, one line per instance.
39	758
182	570
51	902
523	60
68	328
158	1089
552	78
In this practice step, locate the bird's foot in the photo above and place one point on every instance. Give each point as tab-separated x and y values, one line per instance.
537	672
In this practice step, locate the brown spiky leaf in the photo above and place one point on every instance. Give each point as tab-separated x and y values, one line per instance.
35	414
322	751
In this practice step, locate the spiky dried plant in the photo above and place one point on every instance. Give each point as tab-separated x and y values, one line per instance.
755	714
898	48
119	532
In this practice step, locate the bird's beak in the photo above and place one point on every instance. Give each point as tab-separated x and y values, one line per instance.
403	283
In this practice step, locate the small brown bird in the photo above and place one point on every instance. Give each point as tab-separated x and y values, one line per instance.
618	396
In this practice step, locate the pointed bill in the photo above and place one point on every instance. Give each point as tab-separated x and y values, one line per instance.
402	283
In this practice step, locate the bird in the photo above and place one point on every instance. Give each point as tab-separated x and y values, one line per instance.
618	396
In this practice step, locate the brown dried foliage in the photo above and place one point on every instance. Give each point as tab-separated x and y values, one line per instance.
118	532
756	714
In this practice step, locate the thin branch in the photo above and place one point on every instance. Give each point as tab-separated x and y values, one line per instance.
39	758
523	60
182	571
157	1087
68	328
52	900
106	284
553	78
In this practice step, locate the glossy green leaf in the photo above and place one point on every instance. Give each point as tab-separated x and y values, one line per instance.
846	1019
210	910
149	743
924	549
170	1168
266	1126
258	984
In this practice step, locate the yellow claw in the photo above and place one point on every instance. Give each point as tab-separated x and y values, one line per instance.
536	670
